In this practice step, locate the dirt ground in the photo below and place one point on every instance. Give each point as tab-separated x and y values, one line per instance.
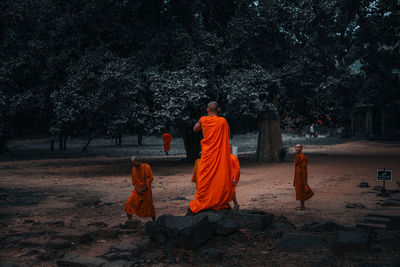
93	188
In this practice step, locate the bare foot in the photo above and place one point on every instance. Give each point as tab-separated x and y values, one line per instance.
129	217
300	208
236	207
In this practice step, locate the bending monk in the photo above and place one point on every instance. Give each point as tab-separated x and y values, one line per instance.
214	183
167	138
141	200
235	172
303	191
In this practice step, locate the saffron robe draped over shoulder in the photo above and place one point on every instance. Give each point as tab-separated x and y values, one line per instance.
141	204
214	182
303	191
167	138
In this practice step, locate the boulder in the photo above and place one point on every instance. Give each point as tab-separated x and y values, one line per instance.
350	241
301	242
324	227
182	231
222	224
78	238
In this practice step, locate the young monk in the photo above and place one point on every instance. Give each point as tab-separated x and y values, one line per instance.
303	191
141	200
167	138
235	172
214	183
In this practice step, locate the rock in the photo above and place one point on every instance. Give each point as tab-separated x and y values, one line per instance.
222	225
250	219
111	233
50	255
324	227
131	224
118	263
210	255
350	241
283	226
182	231
78	260
8	264
58	244
78	238
301	242
363	184
55	223
355	206
392	203
119	251
98	224
30	243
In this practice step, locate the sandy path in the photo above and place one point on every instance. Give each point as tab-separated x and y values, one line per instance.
334	173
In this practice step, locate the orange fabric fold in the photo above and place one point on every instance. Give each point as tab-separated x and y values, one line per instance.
167	138
214	182
141	204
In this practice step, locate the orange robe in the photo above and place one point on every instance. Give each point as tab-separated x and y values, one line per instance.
303	191
167	138
195	171
235	172
214	182
141	204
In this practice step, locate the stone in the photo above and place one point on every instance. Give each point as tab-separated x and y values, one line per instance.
98	224
8	264
210	255
222	225
250	219
182	231
350	241
58	244
78	238
179	198
131	224
301	242
50	255
55	223
76	260
110	233
363	184
118	263
324	227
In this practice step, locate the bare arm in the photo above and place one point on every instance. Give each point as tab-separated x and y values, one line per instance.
197	127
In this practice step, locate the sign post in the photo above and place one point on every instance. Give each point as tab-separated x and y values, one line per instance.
384	175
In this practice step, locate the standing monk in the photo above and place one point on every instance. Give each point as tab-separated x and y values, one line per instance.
303	191
235	172
167	138
141	200
214	183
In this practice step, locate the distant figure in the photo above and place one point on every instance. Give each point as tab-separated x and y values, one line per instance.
214	183
303	190
141	200
235	172
167	138
311	131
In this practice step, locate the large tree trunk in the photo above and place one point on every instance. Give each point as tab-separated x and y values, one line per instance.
191	141
269	141
52	143
3	143
140	139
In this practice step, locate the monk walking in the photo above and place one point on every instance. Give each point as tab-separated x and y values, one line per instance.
214	183
303	191
167	138
141	200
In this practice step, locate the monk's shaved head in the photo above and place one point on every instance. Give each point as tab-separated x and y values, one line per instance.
299	148
213	106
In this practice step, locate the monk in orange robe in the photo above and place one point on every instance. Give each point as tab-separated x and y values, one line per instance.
214	183
167	138
303	191
235	172
141	200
